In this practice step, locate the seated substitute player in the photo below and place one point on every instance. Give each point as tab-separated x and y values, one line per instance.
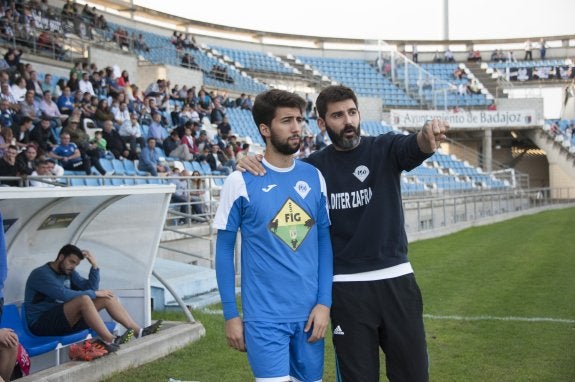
60	301
285	252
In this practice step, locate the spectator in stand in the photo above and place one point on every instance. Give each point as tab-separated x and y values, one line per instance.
150	159
174	148
103	113
156	130
131	134
140	44
218	112
98	84
66	102
74	82
528	50
50	109
473	55
88	106
77	68
243	152
473	87
84	85
47	84
542	49
448	55
26	161
6	95
181	195
414	53
124	80
43	170
18	89
34	84
6	114
189	142
22	132
121	115
101	23
8	166
6	139
218	160
12	58
43	136
89	152
30	107
69	156
188	61
59	88
100	143
114	142
224	130
247	104
88	15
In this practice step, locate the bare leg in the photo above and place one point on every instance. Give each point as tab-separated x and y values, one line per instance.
84	307
117	312
8	353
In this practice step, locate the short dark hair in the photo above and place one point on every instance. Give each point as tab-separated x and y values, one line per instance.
267	103
331	94
69	250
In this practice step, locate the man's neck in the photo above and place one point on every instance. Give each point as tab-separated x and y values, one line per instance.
278	160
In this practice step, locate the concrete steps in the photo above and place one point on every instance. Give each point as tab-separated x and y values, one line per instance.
196	285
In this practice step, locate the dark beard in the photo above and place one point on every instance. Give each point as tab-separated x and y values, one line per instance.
285	148
342	143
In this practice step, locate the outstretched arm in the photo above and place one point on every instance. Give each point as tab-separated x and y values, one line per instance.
431	135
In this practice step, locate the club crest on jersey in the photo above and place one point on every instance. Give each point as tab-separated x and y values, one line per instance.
361	172
291	224
302	188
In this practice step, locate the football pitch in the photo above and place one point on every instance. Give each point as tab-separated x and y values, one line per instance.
499	305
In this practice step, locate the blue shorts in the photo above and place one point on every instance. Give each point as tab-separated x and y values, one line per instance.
280	351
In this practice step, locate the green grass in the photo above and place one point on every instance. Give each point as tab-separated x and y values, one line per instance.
519	268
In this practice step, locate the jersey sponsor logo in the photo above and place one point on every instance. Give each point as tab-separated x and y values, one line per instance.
269	187
353	199
302	188
361	172
291	224
337	331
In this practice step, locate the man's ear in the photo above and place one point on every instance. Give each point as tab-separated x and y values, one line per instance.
264	130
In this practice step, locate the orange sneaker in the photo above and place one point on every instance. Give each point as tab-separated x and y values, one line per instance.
85	351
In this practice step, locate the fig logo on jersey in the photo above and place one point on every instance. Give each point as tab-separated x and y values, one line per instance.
302	188
361	172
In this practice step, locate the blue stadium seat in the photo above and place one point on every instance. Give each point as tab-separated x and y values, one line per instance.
34	345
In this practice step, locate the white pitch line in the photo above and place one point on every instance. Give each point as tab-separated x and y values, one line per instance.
464	318
212	311
494	318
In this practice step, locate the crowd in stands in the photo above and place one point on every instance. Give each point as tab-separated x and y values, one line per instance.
57	121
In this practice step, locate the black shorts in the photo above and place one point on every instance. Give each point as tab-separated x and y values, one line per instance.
54	323
383	314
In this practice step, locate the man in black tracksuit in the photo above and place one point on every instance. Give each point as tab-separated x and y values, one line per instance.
376	300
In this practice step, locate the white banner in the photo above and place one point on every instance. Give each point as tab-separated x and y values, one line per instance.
465	119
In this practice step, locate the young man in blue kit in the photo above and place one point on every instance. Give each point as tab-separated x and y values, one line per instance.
376	300
287	263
